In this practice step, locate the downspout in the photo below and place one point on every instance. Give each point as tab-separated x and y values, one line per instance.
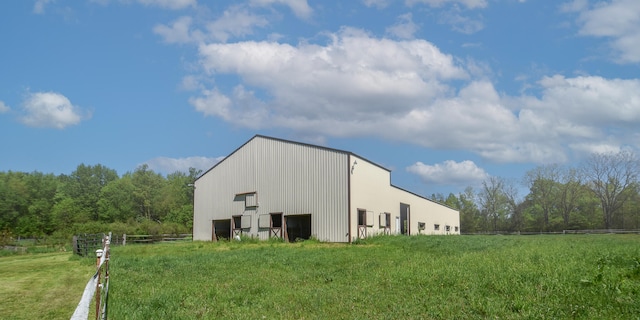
349	195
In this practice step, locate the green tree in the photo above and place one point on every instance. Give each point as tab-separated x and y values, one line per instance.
469	212
84	186
570	190
611	177
117	201
14	194
543	190
146	194
452	201
494	203
178	197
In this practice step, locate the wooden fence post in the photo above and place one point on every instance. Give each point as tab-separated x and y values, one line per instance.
74	245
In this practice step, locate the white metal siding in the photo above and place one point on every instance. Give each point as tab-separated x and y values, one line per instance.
371	190
287	177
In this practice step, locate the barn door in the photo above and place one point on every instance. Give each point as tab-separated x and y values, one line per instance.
220	229
362	224
236	227
275	231
405	219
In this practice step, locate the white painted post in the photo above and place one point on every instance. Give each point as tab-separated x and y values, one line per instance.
98	256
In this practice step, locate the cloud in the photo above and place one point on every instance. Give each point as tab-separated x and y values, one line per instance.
460	23
617	20
405	28
470	4
169	4
410	91
3	107
213	103
574	6
299	7
590	100
50	110
380	4
165	4
179	31
449	173
236	21
588	113
39	6
170	165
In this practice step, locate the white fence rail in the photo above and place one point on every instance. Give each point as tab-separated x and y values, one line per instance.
586	231
97	288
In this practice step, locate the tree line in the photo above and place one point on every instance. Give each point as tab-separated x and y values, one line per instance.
602	192
94	198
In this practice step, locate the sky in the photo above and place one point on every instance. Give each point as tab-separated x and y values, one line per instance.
444	93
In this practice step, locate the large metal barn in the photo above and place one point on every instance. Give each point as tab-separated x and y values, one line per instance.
270	187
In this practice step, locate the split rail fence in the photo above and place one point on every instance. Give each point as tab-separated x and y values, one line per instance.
86	244
586	231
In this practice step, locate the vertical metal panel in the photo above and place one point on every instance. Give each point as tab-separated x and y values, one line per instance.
288	177
294	178
301	179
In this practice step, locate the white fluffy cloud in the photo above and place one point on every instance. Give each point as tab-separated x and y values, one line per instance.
299	7
471	4
449	172
170	4
51	110
235	22
170	165
617	20
461	23
405	28
179	31
3	107
39	6
409	90
376	3
165	4
588	114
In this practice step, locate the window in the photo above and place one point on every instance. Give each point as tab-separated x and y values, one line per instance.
370	219
421	225
276	220
245	221
436	227
456	228
447	228
385	220
362	217
251	200
236	222
264	221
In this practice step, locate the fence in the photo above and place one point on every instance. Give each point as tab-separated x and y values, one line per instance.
153	238
587	231
97	287
86	244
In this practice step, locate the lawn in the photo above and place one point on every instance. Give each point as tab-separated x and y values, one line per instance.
422	277
449	277
43	285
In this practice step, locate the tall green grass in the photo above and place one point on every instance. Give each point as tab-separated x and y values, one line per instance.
422	277
43	285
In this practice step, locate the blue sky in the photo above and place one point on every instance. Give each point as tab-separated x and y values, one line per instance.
445	93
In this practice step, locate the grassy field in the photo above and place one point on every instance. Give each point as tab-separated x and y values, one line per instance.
43	285
443	277
456	277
